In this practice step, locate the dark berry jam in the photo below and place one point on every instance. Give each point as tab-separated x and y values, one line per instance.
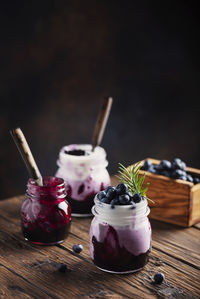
109	255
77	153
82	206
45	213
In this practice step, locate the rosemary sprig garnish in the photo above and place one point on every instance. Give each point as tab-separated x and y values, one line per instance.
130	177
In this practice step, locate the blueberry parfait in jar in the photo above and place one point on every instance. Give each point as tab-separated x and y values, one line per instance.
120	232
84	172
45	213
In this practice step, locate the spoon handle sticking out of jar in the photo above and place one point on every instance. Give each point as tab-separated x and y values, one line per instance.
101	122
26	154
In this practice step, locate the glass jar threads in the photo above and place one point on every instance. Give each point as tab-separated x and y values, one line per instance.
45	213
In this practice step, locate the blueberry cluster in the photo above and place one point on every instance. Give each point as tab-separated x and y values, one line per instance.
175	170
119	196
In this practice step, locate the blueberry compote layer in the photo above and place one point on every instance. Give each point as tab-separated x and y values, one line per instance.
46	214
111	256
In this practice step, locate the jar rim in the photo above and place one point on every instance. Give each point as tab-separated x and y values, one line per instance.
47	182
85	147
106	213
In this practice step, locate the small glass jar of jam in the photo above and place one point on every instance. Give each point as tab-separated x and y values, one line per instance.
120	237
45	213
85	174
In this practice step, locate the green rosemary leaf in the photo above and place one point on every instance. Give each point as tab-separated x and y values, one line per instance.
140	181
130	177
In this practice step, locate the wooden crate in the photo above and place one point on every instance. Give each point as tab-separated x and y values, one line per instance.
176	201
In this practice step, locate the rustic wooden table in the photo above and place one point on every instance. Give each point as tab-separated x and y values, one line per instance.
30	271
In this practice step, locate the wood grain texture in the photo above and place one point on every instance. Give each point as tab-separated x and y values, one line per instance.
176	201
30	271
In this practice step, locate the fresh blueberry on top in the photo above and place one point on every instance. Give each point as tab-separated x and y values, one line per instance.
146	165
137	197
196	180
159	277
114	202
124	199
105	200
77	248
109	188
189	178
110	194
165	164
62	268
101	195
129	194
121	188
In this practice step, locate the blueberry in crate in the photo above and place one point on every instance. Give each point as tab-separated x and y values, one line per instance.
147	165
158	168
166	165
178	173
178	164
152	169
196	180
189	178
166	173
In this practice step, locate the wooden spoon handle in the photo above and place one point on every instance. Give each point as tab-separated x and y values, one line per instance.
26	154
101	122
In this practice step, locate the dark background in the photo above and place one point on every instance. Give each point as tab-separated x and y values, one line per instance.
60	58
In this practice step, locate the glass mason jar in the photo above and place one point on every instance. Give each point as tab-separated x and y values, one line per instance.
45	213
85	174
120	238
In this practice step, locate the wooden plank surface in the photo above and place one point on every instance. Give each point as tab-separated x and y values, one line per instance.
30	271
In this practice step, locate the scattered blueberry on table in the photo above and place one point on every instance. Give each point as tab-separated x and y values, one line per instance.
175	170
77	248
62	268
159	278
